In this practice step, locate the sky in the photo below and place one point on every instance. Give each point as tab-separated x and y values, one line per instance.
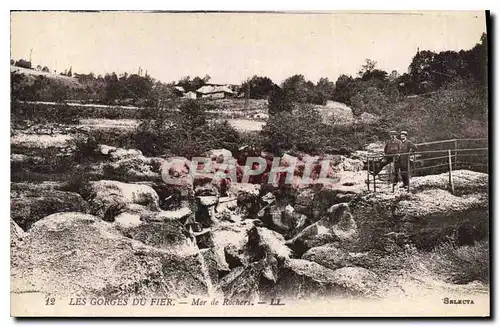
230	47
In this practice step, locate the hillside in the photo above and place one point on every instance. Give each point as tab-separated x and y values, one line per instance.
31	75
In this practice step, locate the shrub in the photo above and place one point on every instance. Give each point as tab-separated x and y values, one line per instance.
297	130
187	132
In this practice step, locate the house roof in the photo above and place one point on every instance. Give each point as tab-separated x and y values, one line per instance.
207	89
180	89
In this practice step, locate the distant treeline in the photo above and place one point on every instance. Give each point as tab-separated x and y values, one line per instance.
372	90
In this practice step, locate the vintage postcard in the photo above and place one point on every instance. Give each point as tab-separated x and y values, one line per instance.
258	164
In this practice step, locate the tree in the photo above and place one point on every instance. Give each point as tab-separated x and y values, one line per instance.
295	88
259	86
367	67
45	69
191	85
23	63
278	102
345	88
371	100
326	88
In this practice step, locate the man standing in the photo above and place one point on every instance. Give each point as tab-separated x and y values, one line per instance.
407	147
391	152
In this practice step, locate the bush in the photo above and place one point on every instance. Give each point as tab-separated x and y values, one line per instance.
297	130
187	133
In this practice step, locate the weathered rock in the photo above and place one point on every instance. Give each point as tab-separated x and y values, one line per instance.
368	118
216	266
464	182
16	233
117	154
348	164
247	198
109	198
169	235
263	243
74	254
204	239
280	219
358	280
329	256
315	201
28	207
338	225
180	214
127	220
432	216
231	240
219	155
249	282
425	218
207	201
137	168
302	279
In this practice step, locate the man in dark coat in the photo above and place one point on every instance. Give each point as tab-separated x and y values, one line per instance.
391	152
407	147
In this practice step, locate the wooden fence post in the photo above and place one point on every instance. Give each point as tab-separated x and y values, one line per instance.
374	178
450	171
368	174
408	165
393	170
456	147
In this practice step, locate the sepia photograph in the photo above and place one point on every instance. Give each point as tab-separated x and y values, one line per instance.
249	164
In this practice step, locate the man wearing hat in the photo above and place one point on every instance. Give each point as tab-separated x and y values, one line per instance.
407	147
391	151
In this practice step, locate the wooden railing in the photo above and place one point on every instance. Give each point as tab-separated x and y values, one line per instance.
451	157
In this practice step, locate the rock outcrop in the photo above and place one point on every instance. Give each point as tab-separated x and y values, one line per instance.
71	254
337	225
108	198
27	207
302	279
427	216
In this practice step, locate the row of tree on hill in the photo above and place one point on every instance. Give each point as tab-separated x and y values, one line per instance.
370	90
374	88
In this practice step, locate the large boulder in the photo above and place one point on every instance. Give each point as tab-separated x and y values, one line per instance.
315	200
231	240
16	233
284	220
117	154
302	279
348	164
219	155
27	207
329	256
424	218
75	254
109	198
433	216
337	225
131	169
263	243
464	182
250	282
217	267
169	235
